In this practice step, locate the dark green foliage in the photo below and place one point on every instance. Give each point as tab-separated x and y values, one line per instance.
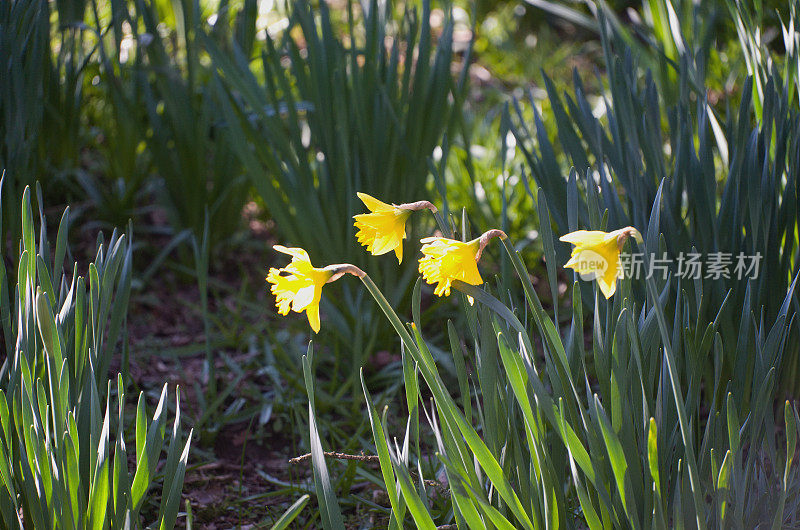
632	433
729	186
40	96
198	166
339	115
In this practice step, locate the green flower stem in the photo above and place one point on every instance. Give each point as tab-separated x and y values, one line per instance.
401	330
441	222
450	411
546	326
677	392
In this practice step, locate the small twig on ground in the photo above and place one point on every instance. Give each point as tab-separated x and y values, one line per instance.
339	456
442	489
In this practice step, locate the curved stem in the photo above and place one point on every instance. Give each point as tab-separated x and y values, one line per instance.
340	269
625	233
416	206
486	237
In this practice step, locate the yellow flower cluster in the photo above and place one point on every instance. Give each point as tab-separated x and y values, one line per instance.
298	286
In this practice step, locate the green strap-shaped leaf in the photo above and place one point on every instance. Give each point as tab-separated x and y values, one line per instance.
291	513
382	448
329	506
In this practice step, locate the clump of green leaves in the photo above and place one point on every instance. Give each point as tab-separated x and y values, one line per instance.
63	453
41	94
631	432
20	111
339	111
730	186
198	165
333	107
662	407
762	64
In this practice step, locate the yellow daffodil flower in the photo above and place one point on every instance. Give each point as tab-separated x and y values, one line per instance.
298	285
596	254
384	228
445	260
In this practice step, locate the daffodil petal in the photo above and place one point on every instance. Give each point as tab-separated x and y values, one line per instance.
302	298
585	238
471	275
313	317
373	204
608	289
611	273
573	262
295	252
587	262
384	243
